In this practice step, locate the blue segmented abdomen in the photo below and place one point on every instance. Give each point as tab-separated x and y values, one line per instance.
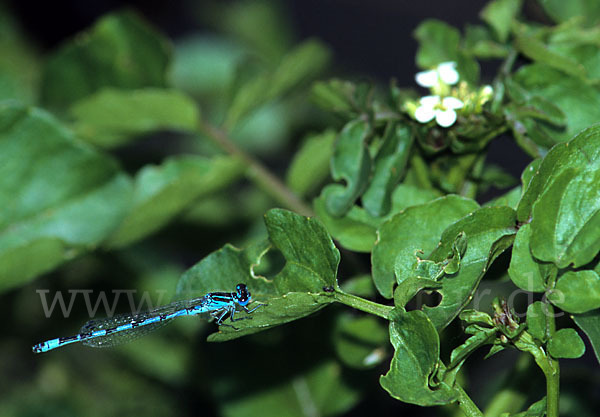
125	328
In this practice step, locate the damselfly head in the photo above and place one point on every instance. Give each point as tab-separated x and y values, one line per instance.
242	294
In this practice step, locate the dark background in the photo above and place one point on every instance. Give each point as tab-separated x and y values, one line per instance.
371	39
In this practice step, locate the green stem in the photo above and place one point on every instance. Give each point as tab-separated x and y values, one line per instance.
466	404
552	388
361	304
549	367
257	172
551	370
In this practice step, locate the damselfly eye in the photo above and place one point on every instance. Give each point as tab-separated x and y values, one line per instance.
242	294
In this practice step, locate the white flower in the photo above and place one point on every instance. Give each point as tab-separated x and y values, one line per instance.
444	110
487	91
444	72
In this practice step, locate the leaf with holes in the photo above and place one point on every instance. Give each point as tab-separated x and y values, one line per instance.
311	257
490	231
417	228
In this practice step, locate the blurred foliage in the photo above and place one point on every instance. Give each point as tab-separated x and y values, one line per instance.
132	173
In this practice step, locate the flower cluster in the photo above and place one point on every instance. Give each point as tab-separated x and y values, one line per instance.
444	102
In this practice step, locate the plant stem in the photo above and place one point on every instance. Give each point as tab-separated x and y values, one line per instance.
466	404
549	367
257	172
361	304
552	388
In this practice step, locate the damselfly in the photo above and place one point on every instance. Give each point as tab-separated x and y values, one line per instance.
123	328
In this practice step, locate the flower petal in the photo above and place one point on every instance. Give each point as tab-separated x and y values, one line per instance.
424	114
452	103
427	78
430	101
448	73
445	118
487	90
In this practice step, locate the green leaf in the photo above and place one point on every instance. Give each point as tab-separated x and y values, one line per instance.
388	167
356	230
537	51
162	192
359	342
529	172
320	391
479	42
563	198
510	198
562	11
204	64
58	197
300	65
568	213
310	166
577	291
409	287
525	271
540	320
532	106
500	15
222	270
417	228
490	231
438	42
567	344
416	356
590	324
360	285
462	352
311	257
334	95
120	50
278	310
352	163
112	117
262	25
537	409
476	317
576	98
